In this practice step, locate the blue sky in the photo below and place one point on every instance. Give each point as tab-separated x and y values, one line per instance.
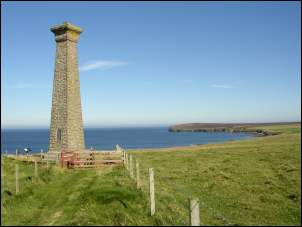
156	63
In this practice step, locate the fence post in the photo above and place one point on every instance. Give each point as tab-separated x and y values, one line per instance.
131	167
194	212
45	159
152	191
41	154
2	183
17	179
58	159
126	160
122	156
126	164
137	175
5	152
36	168
16	153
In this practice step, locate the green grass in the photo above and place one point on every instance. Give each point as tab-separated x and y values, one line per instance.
247	182
293	128
71	197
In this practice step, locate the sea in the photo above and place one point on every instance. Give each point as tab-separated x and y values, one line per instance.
108	138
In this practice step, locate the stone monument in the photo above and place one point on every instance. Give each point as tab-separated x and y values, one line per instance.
66	127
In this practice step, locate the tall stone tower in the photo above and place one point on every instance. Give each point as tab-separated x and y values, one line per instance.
66	127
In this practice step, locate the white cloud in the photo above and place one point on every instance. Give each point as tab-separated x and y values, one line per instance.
101	64
220	86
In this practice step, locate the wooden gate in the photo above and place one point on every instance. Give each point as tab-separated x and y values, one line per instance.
68	158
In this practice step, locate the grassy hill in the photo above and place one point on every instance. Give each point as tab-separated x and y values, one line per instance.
247	182
258	128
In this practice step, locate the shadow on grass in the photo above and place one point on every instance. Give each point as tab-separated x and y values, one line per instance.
106	195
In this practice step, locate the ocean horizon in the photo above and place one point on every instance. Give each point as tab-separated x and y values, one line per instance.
107	138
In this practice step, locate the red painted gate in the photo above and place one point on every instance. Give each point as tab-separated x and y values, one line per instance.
68	158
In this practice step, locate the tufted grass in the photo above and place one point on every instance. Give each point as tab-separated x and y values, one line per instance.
248	182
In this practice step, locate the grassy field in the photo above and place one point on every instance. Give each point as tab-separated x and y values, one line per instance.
247	182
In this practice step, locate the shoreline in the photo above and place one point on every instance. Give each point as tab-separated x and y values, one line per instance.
253	134
256	128
258	133
188	147
192	145
197	143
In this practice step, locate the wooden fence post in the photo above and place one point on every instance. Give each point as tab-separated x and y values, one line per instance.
58	159
194	212
16	153
2	182
17	179
41	154
123	157
152	191
131	167
126	161
36	168
45	160
137	175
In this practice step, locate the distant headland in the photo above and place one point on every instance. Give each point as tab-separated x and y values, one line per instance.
228	127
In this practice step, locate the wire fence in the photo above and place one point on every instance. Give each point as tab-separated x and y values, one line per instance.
172	194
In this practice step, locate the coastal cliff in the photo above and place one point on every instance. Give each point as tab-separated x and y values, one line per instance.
253	128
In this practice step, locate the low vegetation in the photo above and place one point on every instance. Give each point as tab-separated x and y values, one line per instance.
248	182
256	128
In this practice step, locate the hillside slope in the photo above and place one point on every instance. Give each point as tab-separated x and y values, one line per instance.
248	182
229	127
